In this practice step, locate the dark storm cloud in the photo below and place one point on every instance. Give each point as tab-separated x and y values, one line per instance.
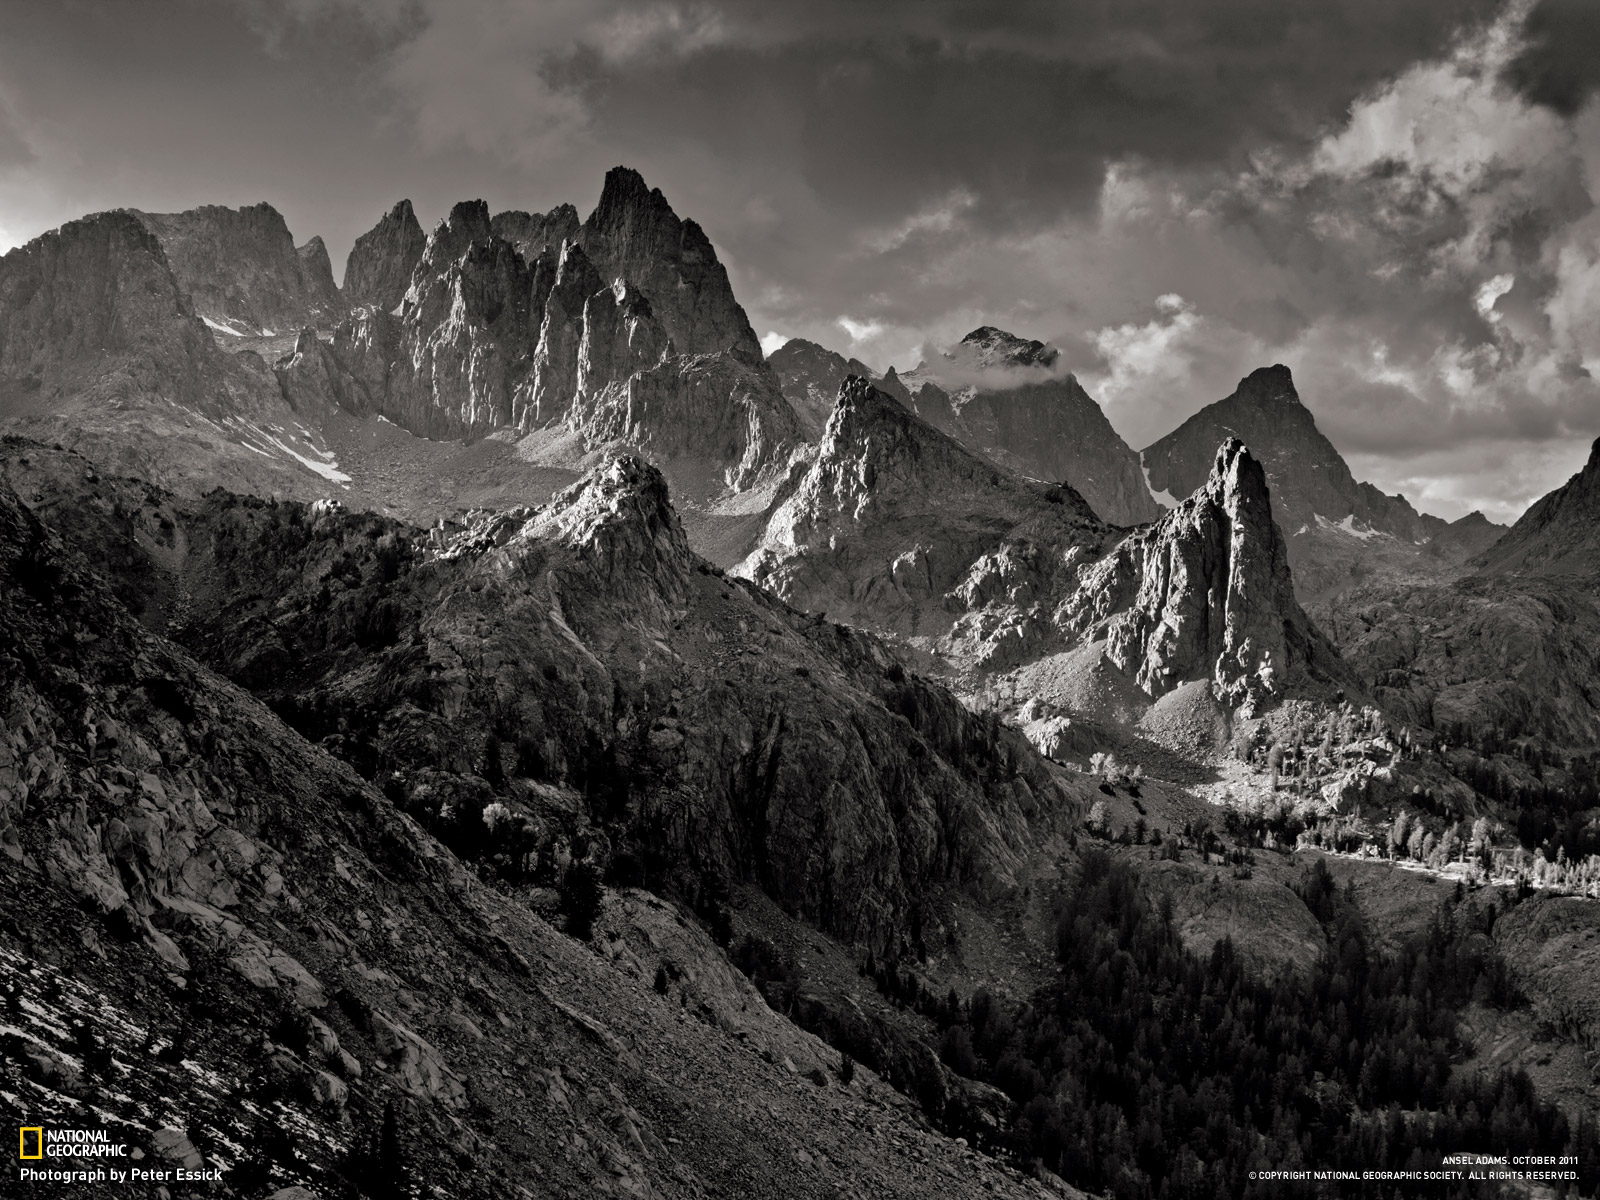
1176	191
888	104
1560	66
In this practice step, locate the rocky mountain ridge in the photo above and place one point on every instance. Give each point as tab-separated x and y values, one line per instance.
1001	397
242	271
232	952
1505	653
896	526
102	350
1558	535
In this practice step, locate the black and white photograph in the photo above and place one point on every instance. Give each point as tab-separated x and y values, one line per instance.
817	599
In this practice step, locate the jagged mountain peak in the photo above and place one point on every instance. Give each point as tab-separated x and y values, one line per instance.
467	221
633	233
875	431
1207	593
378	269
1338	530
810	376
1005	398
1238	482
624	196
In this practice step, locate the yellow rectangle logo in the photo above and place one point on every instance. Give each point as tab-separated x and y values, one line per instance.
38	1141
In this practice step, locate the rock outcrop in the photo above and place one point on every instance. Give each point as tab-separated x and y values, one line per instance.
1006	398
378	269
1206	593
241	270
1340	532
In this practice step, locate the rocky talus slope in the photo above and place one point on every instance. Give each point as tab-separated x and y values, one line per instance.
377	271
1340	532
241	270
101	350
1007	398
231	950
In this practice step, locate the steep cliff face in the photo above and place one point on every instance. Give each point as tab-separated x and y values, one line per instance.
634	234
100	349
467	332
241	269
1006	398
897	526
1560	535
1340	532
1206	593
324	303
378	269
95	303
534	234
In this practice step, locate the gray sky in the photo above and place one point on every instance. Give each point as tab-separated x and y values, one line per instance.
1395	199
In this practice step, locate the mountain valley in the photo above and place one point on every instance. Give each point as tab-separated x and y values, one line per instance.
486	717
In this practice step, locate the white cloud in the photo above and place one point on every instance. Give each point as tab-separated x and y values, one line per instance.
1490	292
861	331
772	340
941	217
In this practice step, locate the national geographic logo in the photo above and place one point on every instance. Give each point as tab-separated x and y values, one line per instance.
34	1142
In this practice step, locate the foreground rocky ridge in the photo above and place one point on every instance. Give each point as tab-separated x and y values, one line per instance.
281	931
587	641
